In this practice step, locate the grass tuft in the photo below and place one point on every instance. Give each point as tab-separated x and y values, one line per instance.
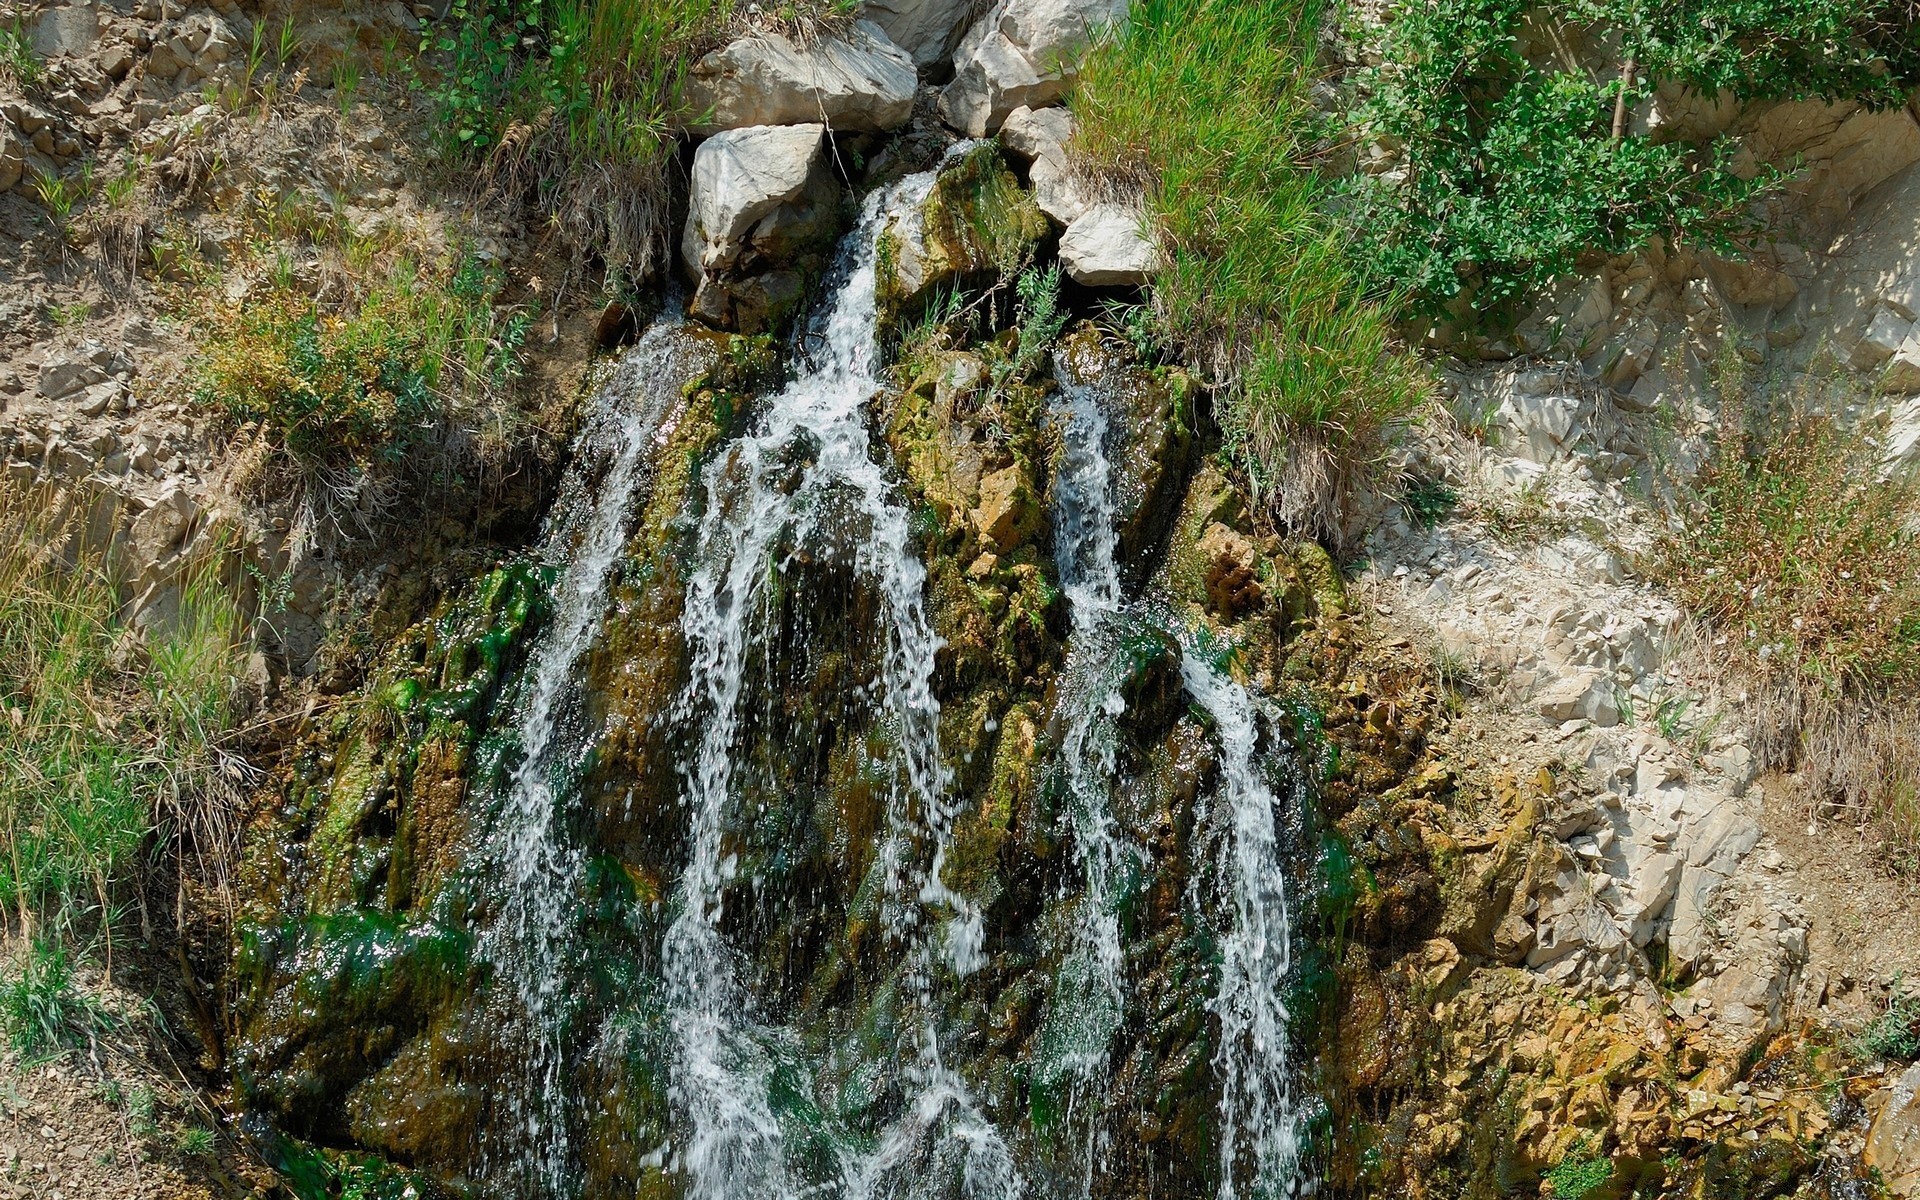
1203	104
41	1009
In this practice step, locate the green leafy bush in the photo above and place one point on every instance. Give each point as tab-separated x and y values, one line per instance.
1511	159
1895	1033
1204	105
1580	1174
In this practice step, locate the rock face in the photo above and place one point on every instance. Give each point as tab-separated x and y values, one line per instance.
1039	139
762	207
1023	53
860	82
1893	1141
975	223
1108	246
925	29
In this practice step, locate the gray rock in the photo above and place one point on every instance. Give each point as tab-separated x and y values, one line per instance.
62	377
1582	695
1884	335
1022	53
66	32
1893	1140
1039	139
926	29
742	178
1108	246
858	82
1902	376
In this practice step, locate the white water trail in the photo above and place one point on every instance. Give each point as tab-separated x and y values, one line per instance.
1258	1132
539	866
765	492
1091	998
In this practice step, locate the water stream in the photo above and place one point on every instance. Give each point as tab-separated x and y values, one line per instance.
538	863
734	1146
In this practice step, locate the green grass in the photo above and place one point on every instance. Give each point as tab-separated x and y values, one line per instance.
367	377
1204	105
41	1010
110	736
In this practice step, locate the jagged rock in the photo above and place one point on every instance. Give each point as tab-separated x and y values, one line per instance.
1886	331
13	157
858	82
1039	139
62	377
1109	246
762	196
1893	1140
1006	510
925	29
1902	376
1582	695
1023	52
976	221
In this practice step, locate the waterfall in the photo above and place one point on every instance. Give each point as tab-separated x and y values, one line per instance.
1259	1141
538	864
1089	1002
756	499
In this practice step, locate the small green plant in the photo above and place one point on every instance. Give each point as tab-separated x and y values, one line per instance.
1522	516
1041	315
1428	501
346	84
1581	1173
1895	1033
141	1107
18	62
69	316
44	1013
1669	716
60	196
194	1141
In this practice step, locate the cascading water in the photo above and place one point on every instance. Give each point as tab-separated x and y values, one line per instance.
734	1147
1089	1003
1258	1135
539	865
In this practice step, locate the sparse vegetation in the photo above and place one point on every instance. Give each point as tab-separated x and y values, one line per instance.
366	379
568	106
1204	104
111	737
1895	1033
1506	159
1582	1172
19	66
41	1009
1803	554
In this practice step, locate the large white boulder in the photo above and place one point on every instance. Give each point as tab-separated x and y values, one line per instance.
861	81
1109	245
742	179
1023	53
925	29
1039	139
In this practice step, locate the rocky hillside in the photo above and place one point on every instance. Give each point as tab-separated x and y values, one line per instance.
938	599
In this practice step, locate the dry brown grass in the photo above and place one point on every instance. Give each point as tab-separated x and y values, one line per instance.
1803	557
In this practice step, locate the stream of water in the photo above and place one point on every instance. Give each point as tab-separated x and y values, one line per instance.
538	863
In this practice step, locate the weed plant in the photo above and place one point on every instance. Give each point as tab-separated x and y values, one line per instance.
1803	555
1203	105
111	737
43	1012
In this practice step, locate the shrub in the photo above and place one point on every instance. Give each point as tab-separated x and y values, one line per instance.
1203	104
363	382
1895	1033
1580	1173
1804	558
110	738
1512	160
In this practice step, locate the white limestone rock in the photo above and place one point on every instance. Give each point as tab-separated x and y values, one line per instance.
1893	1139
1109	246
1022	53
742	178
926	29
859	82
1038	137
